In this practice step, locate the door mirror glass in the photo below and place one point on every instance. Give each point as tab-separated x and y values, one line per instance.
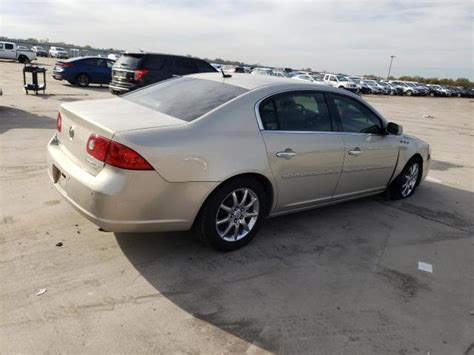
393	128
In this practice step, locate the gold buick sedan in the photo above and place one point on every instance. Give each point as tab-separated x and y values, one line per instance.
219	153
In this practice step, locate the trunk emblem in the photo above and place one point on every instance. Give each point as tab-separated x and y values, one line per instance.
71	133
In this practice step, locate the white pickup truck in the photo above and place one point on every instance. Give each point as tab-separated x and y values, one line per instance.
340	81
9	50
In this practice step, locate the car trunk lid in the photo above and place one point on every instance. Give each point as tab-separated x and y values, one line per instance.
79	120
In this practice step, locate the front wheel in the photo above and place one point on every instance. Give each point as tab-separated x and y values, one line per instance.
405	184
232	215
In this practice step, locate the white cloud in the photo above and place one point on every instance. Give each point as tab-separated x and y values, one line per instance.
428	38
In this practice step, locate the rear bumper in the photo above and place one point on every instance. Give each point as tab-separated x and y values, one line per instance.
120	88
119	200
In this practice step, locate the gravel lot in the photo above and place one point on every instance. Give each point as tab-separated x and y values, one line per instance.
341	279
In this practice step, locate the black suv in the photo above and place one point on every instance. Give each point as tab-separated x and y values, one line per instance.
135	70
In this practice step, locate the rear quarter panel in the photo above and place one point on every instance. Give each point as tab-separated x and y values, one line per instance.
224	143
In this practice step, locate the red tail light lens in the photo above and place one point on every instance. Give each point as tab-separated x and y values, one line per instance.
59	122
140	74
67	65
97	146
116	154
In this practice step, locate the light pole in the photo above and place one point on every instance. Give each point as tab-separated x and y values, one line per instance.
390	67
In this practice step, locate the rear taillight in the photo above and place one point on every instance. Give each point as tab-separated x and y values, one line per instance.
140	73
116	154
59	122
67	65
97	146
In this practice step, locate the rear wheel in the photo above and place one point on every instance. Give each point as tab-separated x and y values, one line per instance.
23	59
82	80
409	93
405	184
232	215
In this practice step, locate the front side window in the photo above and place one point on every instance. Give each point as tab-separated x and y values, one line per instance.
355	117
295	111
1	45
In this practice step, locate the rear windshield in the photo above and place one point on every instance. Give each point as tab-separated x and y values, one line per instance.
129	60
185	98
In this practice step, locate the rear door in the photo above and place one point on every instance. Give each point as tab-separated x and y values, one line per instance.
157	66
304	152
103	71
370	155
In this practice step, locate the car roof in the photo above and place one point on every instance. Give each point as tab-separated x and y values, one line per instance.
162	54
85	57
254	82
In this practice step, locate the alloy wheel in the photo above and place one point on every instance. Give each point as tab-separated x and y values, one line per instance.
410	179
237	214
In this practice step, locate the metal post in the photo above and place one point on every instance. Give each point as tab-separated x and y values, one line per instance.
390	67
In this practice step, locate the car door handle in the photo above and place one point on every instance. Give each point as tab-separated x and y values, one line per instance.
356	151
287	154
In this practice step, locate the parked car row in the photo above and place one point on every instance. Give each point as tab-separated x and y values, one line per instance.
135	70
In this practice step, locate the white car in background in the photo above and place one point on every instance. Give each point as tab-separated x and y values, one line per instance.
262	71
340	81
58	52
310	78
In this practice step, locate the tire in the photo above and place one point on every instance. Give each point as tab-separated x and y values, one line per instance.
23	59
227	204
409	93
82	80
406	183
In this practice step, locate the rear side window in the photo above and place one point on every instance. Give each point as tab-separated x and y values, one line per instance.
185	98
8	46
184	66
129	60
91	62
296	111
154	62
204	67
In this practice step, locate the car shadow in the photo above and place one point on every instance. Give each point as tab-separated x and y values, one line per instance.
306	278
14	118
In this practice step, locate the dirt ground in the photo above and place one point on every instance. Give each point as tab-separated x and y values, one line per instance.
341	279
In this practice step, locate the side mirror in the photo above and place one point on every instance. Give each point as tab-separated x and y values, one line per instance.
393	128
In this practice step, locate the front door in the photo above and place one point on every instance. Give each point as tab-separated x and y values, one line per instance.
370	154
304	151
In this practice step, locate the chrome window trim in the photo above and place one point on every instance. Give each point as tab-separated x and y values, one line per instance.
262	129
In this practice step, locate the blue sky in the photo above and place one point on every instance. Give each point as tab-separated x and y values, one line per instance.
428	38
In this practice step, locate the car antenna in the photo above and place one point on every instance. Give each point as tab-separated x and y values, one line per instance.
224	75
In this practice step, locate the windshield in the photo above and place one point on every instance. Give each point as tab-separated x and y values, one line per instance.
355	80
185	98
370	82
341	78
38	47
60	49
